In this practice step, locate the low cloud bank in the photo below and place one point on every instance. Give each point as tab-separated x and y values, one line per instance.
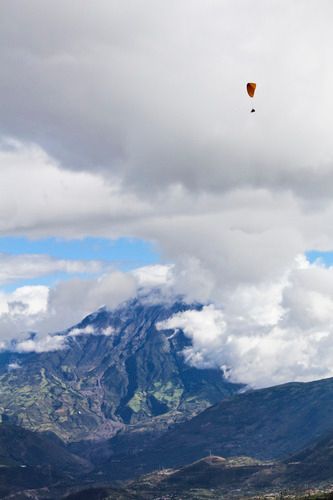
46	311
49	343
261	334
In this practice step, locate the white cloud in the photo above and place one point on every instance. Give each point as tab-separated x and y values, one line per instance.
20	267
267	335
25	300
206	329
45	311
48	343
44	344
90	330
154	276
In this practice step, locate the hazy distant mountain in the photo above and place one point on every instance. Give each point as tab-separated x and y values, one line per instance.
120	369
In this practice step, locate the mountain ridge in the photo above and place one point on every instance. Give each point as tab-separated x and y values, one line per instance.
265	424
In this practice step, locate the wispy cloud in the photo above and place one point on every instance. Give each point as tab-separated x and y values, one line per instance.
16	268
47	343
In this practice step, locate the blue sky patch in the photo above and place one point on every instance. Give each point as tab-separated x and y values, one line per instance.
124	253
325	257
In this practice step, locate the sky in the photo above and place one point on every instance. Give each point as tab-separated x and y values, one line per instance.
129	159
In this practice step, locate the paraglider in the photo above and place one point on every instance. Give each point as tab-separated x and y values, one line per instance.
251	88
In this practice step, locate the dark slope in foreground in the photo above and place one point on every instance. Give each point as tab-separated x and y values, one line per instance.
217	477
32	460
21	447
101	382
211	477
313	464
265	424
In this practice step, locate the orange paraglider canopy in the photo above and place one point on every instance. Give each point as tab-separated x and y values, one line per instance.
251	88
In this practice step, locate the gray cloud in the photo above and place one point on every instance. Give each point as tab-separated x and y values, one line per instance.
155	94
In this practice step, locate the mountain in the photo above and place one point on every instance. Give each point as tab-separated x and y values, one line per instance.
266	424
120	403
117	368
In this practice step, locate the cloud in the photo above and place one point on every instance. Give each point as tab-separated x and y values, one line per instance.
230	238
25	300
20	267
49	201
46	311
156	95
259	334
47	343
71	300
266	335
206	329
154	276
44	344
90	330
